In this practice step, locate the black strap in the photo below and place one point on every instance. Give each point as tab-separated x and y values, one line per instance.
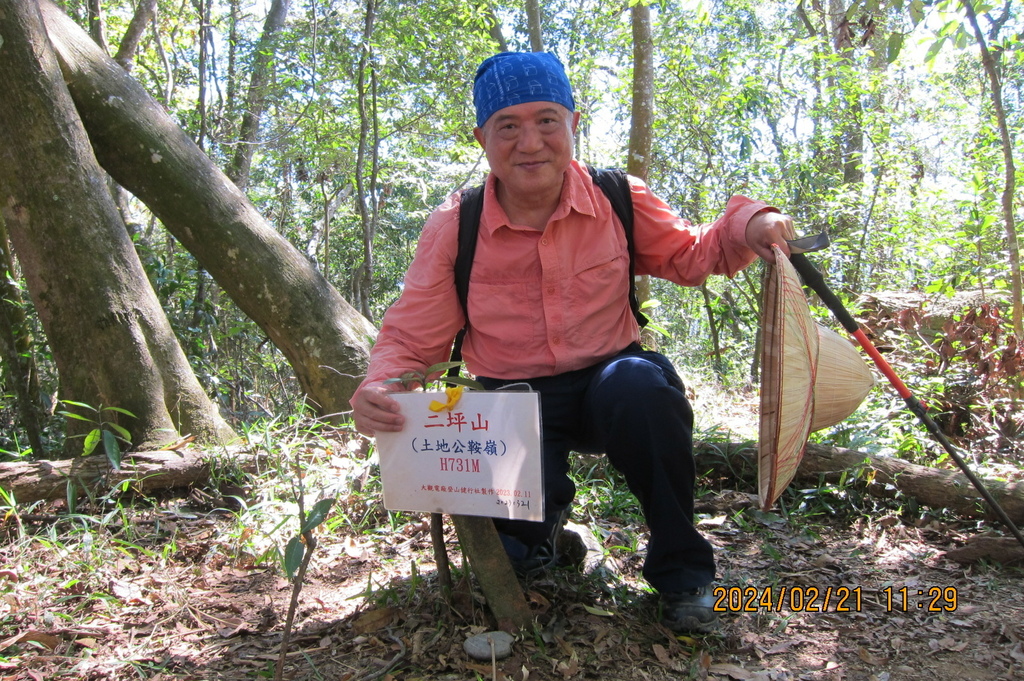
615	185
471	208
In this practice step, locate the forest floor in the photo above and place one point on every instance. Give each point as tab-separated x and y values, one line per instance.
192	606
192	588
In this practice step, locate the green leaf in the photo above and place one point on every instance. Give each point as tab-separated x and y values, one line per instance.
934	50
654	326
72	415
442	366
123	432
119	410
894	46
293	556
317	514
851	11
83	405
112	449
962	39
91	440
916	11
71	495
460	380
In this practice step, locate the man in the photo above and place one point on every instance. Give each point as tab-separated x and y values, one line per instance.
548	305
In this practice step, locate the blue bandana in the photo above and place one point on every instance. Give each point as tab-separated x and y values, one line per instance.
510	78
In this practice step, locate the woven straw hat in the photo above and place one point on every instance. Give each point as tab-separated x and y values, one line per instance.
811	378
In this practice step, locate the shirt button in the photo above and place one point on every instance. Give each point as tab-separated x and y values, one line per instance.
556	341
543	242
551	290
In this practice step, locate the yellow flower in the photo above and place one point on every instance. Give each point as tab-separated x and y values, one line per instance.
454	394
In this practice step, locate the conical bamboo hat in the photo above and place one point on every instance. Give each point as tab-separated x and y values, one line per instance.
811	378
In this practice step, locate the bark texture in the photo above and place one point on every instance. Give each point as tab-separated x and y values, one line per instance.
325	340
493	571
31	481
111	341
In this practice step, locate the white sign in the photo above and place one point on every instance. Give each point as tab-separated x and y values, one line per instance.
479	457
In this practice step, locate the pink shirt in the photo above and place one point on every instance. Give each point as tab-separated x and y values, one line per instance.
542	303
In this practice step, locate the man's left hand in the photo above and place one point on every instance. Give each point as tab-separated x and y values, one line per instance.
767	228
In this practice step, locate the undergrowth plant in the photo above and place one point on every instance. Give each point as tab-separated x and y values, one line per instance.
104	429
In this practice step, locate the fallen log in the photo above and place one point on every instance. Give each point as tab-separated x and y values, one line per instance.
877	475
30	481
881	476
1003	550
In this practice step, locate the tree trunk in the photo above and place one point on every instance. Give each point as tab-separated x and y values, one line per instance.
716	342
1009	170
256	99
204	7
96	28
493	571
494	29
533	22
323	337
984	548
638	162
144	14
367	166
112	344
16	355
849	140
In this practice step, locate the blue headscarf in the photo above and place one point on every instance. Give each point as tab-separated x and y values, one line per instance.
510	78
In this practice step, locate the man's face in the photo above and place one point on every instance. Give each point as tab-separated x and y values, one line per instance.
529	146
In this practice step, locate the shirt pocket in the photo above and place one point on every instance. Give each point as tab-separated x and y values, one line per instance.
599	294
507	313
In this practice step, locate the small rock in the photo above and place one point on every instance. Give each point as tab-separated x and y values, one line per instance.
479	647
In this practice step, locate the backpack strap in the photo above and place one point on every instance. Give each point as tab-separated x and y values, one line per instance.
471	207
615	185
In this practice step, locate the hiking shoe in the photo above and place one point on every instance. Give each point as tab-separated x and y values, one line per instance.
689	611
529	560
539	558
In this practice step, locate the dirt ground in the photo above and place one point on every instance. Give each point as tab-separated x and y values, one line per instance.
371	609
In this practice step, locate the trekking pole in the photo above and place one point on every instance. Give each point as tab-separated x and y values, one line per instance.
812	277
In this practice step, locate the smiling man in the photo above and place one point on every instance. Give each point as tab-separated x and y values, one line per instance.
549	306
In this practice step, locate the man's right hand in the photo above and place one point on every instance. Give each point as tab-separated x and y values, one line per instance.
374	410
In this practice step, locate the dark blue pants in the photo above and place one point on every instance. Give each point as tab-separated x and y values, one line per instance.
631	407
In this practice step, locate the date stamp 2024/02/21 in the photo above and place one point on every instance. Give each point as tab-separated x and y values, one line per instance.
837	599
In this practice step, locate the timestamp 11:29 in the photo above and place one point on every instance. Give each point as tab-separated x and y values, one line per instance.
931	599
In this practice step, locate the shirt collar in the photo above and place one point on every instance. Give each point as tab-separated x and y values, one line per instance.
577	196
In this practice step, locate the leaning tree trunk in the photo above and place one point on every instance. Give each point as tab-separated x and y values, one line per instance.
112	344
323	337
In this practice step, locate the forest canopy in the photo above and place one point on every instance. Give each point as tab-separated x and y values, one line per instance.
891	126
